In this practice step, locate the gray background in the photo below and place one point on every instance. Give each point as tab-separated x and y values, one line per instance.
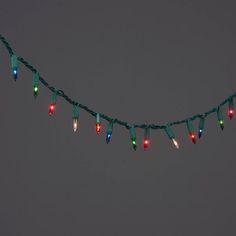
140	61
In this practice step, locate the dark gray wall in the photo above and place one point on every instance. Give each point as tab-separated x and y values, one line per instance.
141	61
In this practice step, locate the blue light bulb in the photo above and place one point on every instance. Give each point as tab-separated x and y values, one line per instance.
200	133
14	73
109	131
14	66
201	126
108	138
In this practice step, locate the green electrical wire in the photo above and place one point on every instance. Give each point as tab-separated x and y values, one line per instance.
108	118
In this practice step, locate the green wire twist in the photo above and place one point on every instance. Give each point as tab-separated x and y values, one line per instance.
108	118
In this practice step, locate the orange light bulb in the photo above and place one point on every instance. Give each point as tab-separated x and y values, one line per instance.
98	128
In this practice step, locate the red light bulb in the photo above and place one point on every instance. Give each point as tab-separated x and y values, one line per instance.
231	113
146	143
51	109
98	128
193	137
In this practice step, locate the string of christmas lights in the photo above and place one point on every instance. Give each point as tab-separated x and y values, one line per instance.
76	106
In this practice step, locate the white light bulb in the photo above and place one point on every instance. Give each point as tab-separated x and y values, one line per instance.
175	143
75	124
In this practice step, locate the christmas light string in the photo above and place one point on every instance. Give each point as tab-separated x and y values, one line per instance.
111	121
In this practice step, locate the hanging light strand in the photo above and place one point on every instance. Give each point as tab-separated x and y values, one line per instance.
57	92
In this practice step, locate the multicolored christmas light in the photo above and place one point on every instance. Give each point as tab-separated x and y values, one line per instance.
14	60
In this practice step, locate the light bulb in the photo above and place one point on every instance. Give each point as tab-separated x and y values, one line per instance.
146	140
52	105
75	124
75	116
14	66
231	109
35	84
51	109
191	131
175	143
220	118
133	137
109	131
98	128
171	135
98	124
201	126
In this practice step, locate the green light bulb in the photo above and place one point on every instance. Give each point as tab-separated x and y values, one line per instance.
35	90
221	124
133	137
36	84
220	118
134	145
